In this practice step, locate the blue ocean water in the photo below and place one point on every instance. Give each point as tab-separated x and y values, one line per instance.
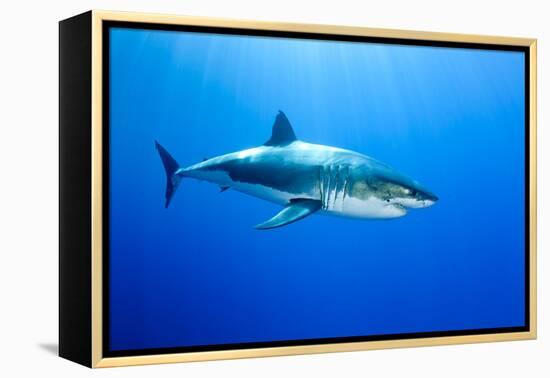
199	274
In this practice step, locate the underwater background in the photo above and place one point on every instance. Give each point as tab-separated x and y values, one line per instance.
199	274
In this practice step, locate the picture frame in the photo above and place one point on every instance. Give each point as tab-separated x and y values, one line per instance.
84	240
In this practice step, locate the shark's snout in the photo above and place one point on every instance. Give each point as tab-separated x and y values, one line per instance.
428	203
427	199
416	199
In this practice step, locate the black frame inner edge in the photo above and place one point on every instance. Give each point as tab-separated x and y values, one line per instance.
107	25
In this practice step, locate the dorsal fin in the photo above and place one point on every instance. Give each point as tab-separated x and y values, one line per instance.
282	133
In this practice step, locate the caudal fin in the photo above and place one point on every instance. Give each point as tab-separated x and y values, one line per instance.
170	166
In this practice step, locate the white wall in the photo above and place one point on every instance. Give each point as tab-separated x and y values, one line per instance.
28	200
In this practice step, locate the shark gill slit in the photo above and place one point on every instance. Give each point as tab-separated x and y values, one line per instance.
321	187
335	179
340	183
345	186
342	174
327	187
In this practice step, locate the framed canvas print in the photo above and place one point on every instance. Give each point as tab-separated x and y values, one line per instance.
237	189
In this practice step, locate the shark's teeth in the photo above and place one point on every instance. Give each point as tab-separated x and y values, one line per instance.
399	206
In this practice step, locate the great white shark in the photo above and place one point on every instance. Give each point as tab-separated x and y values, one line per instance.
305	178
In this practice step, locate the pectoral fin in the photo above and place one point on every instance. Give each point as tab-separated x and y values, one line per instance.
297	209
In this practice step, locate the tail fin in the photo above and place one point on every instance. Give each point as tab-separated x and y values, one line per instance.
170	166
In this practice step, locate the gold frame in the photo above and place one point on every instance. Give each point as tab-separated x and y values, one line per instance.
97	196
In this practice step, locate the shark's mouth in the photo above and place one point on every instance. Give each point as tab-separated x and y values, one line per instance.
399	207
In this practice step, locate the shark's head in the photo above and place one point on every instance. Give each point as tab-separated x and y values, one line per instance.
405	192
392	192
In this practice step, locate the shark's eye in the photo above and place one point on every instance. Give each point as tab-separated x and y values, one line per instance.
388	200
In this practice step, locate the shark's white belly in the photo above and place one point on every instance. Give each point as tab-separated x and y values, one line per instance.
373	208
